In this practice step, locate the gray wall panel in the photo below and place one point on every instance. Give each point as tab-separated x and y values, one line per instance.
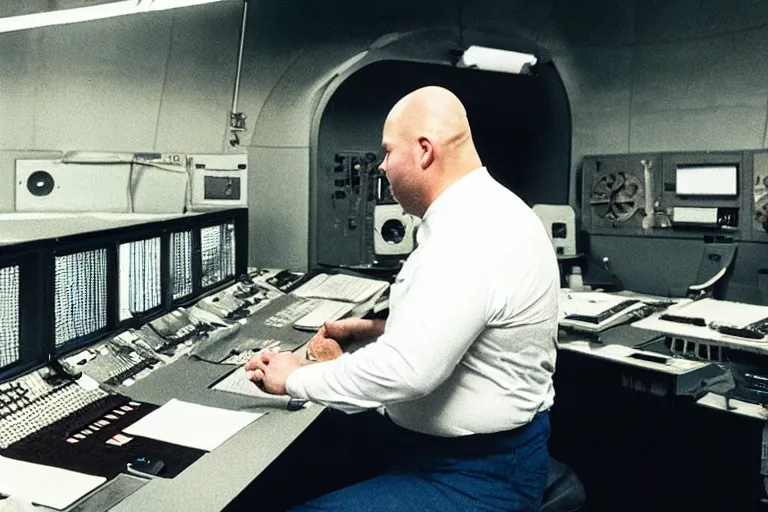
278	218
18	86
726	71
99	84
200	81
591	23
703	129
664	20
521	18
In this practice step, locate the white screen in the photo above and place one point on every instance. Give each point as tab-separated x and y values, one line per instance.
709	180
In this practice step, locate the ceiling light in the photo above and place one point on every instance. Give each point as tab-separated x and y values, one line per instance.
493	59
93	12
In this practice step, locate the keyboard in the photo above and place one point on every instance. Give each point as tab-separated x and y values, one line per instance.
30	403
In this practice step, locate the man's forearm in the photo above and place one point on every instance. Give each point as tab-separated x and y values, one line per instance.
368	328
351	330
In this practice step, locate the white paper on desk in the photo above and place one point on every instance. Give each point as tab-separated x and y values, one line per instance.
586	303
340	287
45	485
193	425
721	311
237	382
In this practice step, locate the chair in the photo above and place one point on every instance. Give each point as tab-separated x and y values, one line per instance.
564	491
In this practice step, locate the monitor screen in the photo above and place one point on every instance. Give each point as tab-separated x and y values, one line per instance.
9	315
217	247
707	180
140	287
80	297
181	264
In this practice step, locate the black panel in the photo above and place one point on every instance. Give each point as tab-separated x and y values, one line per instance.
216	187
90	286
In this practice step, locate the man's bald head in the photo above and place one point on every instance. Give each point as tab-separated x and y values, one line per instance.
432	112
429	146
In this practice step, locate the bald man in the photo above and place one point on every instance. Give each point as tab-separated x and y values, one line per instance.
461	371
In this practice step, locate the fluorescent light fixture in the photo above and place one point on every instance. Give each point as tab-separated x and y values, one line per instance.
93	12
493	59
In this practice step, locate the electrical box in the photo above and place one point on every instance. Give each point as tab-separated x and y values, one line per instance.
218	181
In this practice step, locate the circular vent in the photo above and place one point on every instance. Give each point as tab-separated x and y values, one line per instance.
393	231
616	197
40	183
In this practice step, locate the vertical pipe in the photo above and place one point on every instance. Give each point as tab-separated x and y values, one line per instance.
240	57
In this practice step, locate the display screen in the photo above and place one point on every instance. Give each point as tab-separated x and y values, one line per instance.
9	315
217	248
140	287
181	264
707	180
81	294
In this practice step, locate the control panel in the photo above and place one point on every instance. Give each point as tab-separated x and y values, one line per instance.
677	194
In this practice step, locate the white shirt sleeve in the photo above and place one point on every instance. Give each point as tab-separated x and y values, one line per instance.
442	309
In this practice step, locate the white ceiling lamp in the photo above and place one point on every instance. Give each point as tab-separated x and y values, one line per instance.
93	12
493	59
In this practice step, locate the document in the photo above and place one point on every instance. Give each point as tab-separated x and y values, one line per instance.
340	287
326	310
722	311
696	319
45	485
237	382
192	425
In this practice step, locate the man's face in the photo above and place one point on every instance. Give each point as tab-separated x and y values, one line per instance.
400	164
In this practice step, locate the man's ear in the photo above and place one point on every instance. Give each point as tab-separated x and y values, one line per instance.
427	152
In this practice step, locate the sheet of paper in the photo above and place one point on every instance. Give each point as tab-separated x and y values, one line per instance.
340	287
721	311
237	382
45	485
193	425
586	303
324	311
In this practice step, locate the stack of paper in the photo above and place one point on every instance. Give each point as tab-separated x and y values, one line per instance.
340	287
44	485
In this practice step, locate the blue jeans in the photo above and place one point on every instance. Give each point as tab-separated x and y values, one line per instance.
505	471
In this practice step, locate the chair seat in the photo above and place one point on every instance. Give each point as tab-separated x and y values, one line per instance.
564	491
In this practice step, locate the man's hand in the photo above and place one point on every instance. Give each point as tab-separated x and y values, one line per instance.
323	347
271	370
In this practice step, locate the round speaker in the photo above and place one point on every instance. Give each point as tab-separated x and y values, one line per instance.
393	231
40	183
